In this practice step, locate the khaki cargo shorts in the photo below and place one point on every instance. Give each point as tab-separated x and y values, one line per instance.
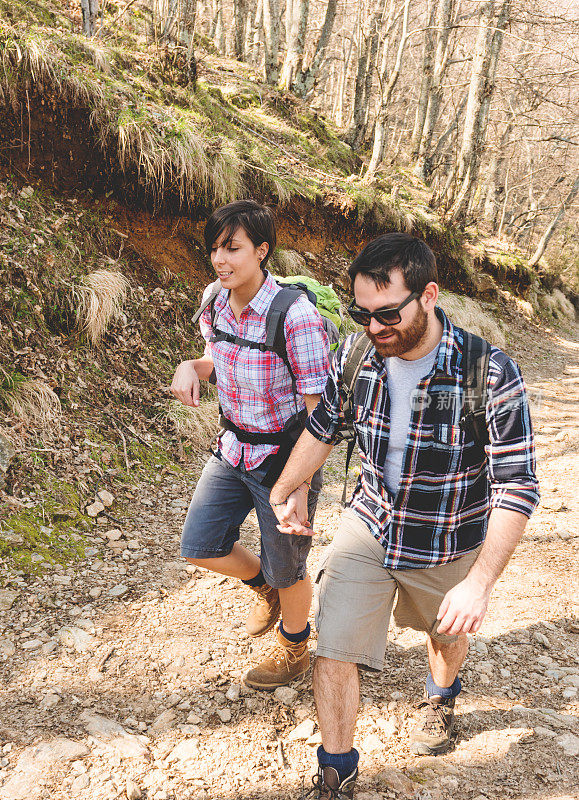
354	595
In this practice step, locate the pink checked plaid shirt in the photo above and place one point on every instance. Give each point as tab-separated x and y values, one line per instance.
255	388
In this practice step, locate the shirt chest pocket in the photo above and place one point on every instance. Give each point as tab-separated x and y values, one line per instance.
454	450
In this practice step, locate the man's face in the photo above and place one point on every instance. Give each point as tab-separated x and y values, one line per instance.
391	340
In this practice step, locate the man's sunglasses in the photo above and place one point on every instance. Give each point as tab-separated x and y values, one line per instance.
385	316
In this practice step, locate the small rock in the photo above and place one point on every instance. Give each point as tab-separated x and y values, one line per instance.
233	692
32	644
114	534
541	638
26	192
371	743
224	714
95	592
569	743
572	680
546	732
387	727
33	764
94	509
481	647
113	736
79	783
204	657
392	778
7	648
163	722
285	695
315	739
569	693
49	701
120	590
76	638
133	790
188	750
303	731
105	497
8	598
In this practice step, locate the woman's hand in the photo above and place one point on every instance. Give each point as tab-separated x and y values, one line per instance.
185	385
293	513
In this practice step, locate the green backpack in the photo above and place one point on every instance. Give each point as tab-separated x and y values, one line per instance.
325	300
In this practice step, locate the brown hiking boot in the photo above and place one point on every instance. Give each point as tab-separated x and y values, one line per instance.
265	612
327	785
285	662
434	730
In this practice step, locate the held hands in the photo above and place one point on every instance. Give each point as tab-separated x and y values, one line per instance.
293	513
185	385
464	607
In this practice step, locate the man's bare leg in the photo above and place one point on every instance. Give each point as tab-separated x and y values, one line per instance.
445	659
337	696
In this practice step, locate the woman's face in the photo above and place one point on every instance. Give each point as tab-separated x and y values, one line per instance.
237	261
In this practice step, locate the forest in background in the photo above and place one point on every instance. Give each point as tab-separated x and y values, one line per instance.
477	99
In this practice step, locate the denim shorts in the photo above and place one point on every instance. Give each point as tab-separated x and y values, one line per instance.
223	498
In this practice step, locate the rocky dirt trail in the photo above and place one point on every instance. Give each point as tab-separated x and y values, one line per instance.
121	676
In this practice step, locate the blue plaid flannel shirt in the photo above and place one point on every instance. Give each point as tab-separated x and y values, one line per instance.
447	486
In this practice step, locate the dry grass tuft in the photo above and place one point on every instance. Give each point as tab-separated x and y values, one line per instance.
470	315
99	298
558	306
34	402
199	425
289	262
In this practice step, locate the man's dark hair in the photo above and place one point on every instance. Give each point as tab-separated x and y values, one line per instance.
400	251
256	221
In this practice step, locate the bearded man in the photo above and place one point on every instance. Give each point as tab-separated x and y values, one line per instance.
435	516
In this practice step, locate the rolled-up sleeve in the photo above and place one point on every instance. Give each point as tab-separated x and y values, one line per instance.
326	420
308	347
511	452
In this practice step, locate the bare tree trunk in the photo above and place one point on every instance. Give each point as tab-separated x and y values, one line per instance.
341	99
306	79
90	10
292	64
545	238
271	30
426	79
256	42
444	13
220	28
239	19
484	69
366	65
387	89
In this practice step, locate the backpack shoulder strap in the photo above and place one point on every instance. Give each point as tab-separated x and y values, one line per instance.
209	300
475	370
275	323
360	348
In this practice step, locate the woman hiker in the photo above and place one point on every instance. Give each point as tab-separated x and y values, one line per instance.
263	409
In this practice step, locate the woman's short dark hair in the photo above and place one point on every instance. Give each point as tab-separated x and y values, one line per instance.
256	221
400	251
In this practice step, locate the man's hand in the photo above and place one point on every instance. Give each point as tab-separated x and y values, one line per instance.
464	607
185	385
293	513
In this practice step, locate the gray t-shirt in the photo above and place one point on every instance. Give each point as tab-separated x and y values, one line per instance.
403	378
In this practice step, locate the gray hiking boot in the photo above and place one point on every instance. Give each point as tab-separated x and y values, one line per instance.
434	730
327	785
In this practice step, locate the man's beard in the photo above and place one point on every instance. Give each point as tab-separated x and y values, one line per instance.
404	340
